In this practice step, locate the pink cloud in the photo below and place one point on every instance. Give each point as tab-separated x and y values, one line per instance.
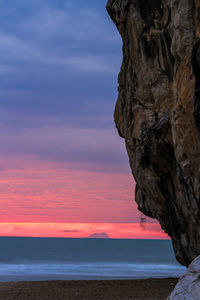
41	198
81	230
41	191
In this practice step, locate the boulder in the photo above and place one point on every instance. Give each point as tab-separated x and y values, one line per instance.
188	286
158	112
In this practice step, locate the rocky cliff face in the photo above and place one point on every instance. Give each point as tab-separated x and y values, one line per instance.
158	112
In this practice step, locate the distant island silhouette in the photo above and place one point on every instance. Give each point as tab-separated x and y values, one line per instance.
101	235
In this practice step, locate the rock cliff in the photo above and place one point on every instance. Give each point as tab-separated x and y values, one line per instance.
158	112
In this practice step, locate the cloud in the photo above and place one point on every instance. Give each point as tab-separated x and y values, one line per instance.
116	231
70	231
101	147
62	37
15	51
76	22
58	72
41	191
56	68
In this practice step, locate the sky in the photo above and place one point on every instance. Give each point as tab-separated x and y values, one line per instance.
63	168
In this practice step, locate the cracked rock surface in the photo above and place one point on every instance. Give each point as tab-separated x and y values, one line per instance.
158	112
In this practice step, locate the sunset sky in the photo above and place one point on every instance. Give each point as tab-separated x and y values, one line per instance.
63	168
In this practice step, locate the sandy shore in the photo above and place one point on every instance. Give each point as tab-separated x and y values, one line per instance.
151	289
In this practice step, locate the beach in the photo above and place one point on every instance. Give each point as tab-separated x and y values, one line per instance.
150	289
86	269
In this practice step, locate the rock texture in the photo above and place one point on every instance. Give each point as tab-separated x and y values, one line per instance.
188	287
158	112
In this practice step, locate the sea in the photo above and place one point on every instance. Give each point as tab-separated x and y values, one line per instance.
24	259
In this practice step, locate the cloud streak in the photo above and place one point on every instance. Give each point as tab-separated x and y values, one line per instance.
68	145
39	191
117	230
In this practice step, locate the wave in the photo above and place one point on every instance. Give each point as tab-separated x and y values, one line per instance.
93	270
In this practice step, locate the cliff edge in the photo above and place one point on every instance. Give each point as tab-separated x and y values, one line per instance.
158	112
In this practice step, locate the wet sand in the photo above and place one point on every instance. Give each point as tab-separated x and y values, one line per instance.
152	289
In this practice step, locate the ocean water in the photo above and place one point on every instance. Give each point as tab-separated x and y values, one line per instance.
60	258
